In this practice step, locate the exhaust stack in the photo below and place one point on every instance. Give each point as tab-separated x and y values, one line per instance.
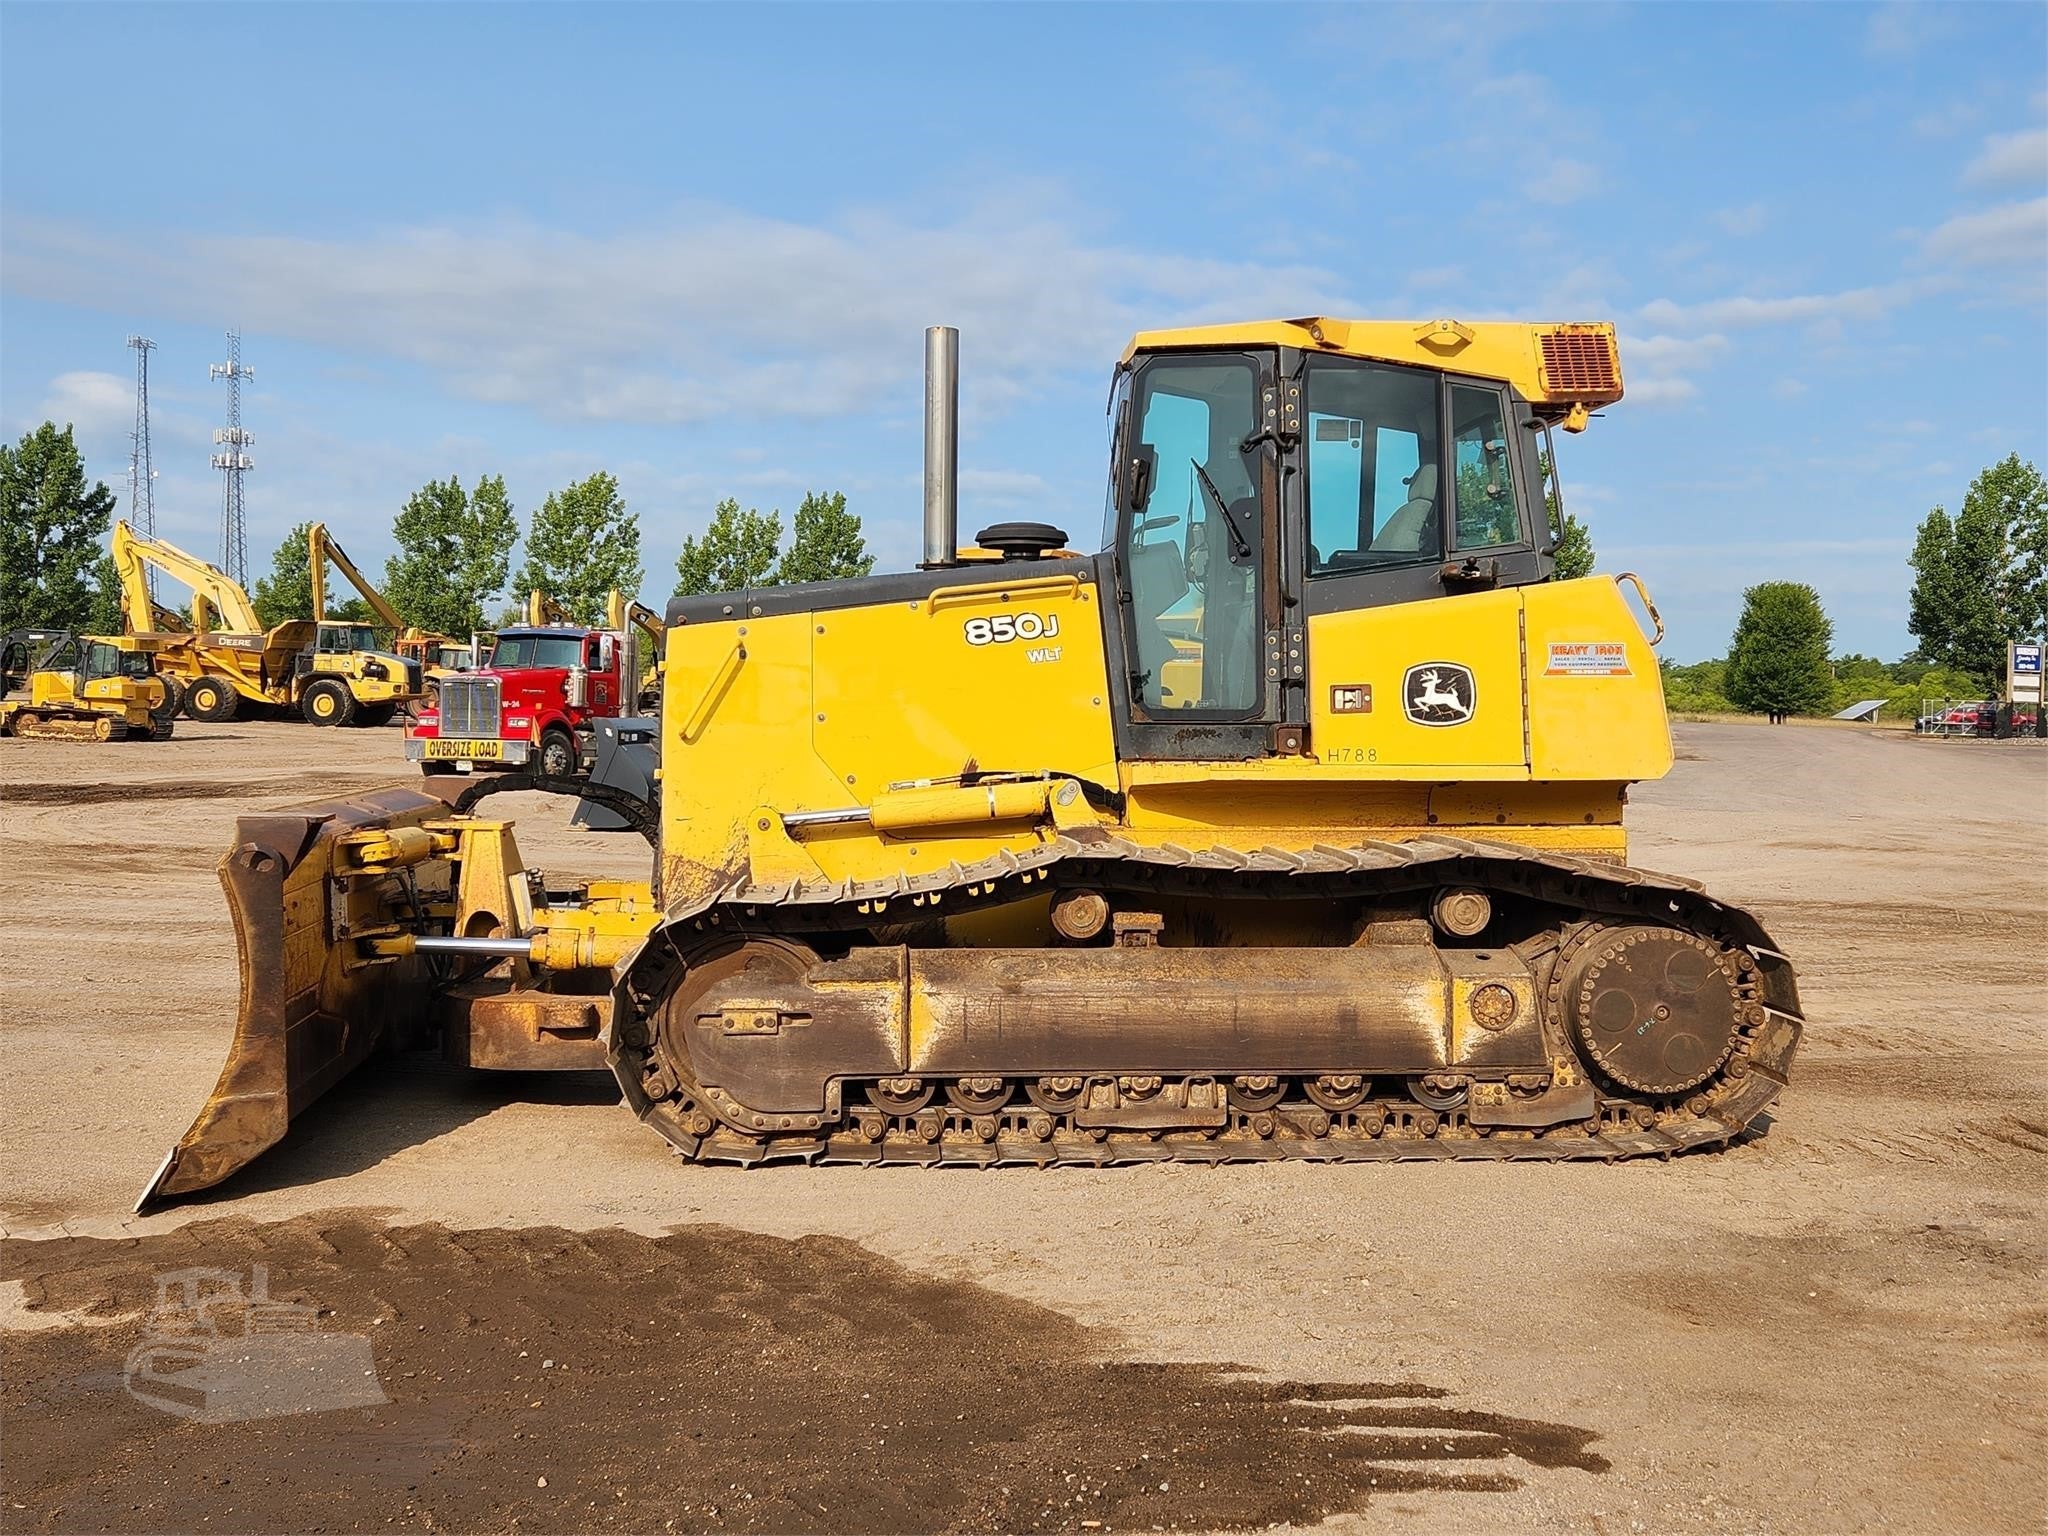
941	446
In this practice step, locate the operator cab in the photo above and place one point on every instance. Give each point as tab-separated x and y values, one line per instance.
342	639
1254	487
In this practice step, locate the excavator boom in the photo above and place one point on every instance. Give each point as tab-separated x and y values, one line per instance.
321	548
214	592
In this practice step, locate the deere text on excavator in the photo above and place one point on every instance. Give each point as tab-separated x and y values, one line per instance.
1288	823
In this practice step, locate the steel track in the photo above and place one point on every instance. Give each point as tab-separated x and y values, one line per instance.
1381	1129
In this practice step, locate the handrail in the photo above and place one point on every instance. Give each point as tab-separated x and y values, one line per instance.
1067	579
721	680
1644	593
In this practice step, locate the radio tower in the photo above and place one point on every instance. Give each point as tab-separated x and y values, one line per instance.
141	473
233	463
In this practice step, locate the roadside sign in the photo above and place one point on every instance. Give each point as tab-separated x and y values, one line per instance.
2023	672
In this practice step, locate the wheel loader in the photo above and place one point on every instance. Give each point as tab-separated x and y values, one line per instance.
1288	821
326	671
67	687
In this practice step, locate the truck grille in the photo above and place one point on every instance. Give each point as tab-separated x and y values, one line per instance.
469	706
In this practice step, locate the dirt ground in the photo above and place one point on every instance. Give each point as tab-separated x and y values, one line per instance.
1836	1326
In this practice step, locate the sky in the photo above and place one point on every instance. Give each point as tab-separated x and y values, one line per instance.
697	247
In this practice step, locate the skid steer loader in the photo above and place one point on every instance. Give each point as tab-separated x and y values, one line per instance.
1289	823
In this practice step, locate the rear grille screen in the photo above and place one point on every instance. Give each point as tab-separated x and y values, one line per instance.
1579	365
469	706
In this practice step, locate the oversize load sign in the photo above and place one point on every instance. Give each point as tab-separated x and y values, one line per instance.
1587	658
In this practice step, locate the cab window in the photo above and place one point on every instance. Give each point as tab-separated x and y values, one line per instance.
102	660
1192	535
1373	471
1485	484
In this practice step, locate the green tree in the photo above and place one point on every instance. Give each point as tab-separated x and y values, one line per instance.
739	550
2020	498
581	544
1696	687
54	569
1778	660
287	592
1982	579
454	550
1935	601
1571	545
825	542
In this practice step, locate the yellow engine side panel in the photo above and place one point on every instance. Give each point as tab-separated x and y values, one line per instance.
1000	677
822	711
735	726
1596	700
1419	689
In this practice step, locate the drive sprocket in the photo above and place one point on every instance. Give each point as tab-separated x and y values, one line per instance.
1655	1009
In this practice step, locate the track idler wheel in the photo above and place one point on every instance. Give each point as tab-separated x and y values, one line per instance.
1655	1009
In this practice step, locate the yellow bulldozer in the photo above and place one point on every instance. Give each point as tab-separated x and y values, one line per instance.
67	687
329	672
1288	823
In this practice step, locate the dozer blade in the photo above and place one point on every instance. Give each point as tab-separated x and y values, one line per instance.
310	1009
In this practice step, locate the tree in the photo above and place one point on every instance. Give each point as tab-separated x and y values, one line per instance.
1932	607
1572	546
825	542
454	550
2020	496
581	544
737	551
1778	660
1982	579
54	570
287	592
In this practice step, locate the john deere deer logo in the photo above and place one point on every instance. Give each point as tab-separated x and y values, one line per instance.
1439	693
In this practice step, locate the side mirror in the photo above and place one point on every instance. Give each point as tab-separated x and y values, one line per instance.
1135	476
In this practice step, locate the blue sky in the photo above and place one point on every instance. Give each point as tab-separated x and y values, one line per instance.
697	246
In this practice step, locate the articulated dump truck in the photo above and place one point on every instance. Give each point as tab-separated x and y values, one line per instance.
1287	823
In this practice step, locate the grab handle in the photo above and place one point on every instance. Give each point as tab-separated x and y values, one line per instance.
1644	593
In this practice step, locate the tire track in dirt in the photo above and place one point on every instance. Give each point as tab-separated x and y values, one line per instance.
540	1378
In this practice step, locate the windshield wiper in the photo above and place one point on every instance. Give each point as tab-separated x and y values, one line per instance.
1241	549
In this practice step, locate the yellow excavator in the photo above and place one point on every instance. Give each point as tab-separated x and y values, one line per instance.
330	673
1287	824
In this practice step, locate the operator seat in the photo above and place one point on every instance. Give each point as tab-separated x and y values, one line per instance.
1412	528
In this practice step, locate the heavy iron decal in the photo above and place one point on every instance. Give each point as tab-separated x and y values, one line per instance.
1439	693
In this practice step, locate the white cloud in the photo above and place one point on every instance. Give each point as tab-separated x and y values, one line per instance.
1659	369
1746	220
99	405
2011	234
2019	156
1904	27
1563	181
1742	311
1945	122
1789	389
720	312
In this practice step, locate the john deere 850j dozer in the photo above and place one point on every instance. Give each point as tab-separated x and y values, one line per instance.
1289	823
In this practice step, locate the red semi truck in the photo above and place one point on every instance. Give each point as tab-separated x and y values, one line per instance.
535	702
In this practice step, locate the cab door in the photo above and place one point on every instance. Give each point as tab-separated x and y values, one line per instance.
1195	553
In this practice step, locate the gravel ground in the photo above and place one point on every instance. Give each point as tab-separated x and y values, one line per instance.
1835	1326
